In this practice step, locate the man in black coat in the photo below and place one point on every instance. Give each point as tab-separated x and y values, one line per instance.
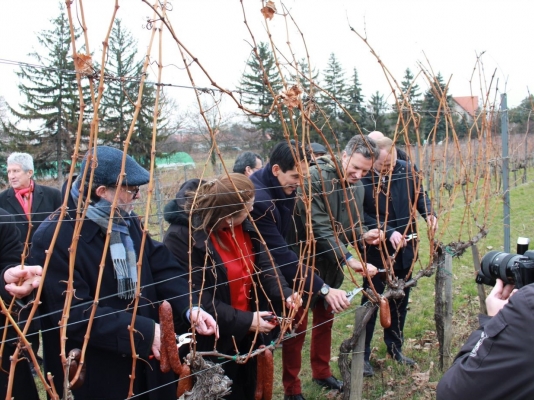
392	189
25	199
274	204
110	352
15	282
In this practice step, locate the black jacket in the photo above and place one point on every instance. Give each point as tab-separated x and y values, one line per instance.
109	352
273	215
496	361
210	276
45	201
404	194
10	251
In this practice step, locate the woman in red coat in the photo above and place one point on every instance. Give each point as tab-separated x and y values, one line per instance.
229	268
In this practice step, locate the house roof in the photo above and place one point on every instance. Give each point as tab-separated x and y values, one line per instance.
468	103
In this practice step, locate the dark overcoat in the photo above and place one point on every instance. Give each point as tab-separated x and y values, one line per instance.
273	215
109	351
407	195
45	201
10	252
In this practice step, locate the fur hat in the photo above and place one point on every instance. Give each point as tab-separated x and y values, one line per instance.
108	168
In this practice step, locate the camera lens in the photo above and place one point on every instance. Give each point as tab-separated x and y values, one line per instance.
498	264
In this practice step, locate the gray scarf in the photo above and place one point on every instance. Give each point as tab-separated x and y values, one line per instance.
121	245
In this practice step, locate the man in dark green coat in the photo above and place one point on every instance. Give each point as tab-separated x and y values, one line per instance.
337	221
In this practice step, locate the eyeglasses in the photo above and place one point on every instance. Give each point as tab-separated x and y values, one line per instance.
133	192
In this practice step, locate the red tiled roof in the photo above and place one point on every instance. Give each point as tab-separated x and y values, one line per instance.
468	103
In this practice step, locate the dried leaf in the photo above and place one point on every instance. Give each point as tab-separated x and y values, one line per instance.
269	10
420	378
291	98
83	64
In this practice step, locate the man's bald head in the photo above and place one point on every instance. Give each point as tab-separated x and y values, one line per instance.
387	157
375	135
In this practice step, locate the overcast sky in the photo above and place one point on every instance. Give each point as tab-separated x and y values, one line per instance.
443	35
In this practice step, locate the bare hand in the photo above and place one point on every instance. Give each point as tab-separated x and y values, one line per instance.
294	301
397	240
259	324
337	299
498	297
358	267
156	344
204	323
432	222
374	236
30	278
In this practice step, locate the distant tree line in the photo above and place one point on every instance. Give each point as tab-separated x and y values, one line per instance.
46	121
51	106
342	110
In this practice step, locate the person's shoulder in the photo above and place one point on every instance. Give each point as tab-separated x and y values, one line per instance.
402	163
262	187
260	178
48	189
4	193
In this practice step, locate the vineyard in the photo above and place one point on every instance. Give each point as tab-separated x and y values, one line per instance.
479	182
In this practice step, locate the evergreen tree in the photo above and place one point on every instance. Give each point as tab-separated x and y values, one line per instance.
521	118
333	102
409	103
431	117
355	106
259	74
4	139
307	78
51	105
376	114
121	92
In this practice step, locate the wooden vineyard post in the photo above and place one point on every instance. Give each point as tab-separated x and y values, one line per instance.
353	376
356	381
443	310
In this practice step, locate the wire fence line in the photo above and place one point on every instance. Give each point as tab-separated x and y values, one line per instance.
453	171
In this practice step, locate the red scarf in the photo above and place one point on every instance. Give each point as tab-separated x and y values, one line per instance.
25	198
238	260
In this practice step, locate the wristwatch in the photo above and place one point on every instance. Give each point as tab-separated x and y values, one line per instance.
325	289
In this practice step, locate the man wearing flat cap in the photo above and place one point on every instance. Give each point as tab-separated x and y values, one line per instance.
108	358
316	150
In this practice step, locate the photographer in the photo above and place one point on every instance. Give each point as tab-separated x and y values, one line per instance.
496	360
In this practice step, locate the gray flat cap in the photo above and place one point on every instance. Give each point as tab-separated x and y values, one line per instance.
109	167
318	148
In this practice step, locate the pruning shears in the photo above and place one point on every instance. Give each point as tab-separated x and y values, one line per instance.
410	237
180	341
353	292
186	338
275	319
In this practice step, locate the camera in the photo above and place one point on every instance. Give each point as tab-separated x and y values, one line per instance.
516	269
